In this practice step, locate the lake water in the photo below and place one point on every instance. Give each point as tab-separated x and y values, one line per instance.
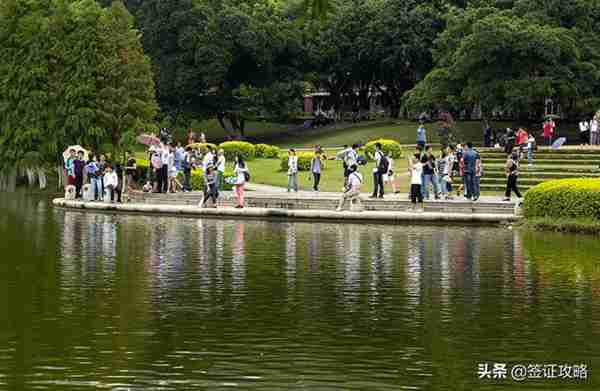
100	301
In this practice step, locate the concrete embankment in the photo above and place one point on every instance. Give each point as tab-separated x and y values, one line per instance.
368	216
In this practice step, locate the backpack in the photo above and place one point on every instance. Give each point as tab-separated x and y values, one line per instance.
247	176
384	165
361	161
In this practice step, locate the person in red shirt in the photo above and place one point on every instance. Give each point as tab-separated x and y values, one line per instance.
548	131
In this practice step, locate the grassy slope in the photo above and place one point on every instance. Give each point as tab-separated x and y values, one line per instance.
402	131
267	171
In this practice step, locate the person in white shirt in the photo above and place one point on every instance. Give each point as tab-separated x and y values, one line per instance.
292	171
220	168
208	159
111	181
594	130
351	189
416	172
241	173
350	157
163	177
584	132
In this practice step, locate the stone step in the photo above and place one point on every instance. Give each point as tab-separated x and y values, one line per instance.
545	150
545	167
554	162
542	174
523	181
545	156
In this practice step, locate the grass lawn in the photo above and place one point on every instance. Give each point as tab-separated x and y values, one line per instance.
404	132
267	172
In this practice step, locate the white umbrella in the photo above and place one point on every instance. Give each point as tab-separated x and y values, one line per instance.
77	149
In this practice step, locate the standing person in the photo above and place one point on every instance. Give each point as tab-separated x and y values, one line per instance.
487	134
315	168
522	137
100	175
429	174
584	132
130	171
163	176
470	158
69	168
179	154
210	186
530	148
220	168
78	166
510	139
350	158
351	189
119	188
241	177
191	138
512	174
111	181
594	129
453	169
415	169
156	162
548	131
381	168
186	167
292	170
92	170
421	136
208	158
478	175
444	171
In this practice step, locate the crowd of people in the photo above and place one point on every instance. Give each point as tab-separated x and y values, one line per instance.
105	178
589	131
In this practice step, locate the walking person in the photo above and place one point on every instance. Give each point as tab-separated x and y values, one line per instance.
415	169
211	188
292	171
351	189
315	168
512	174
381	168
349	156
242	175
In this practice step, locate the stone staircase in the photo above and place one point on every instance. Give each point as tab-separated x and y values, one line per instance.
548	164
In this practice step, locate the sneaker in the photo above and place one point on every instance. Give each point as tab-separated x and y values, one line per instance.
475	198
372	196
506	199
381	196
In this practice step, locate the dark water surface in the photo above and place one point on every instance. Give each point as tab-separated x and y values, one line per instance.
99	301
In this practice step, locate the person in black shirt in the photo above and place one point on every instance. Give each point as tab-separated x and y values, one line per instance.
429	174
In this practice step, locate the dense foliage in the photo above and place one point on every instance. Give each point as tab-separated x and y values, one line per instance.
71	72
389	147
565	198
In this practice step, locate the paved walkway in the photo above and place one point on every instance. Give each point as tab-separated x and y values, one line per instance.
282	192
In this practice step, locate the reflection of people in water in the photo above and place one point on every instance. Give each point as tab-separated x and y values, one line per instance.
238	257
290	254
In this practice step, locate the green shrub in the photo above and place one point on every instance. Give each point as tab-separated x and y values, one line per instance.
197	179
267	151
387	146
202	147
142	171
233	148
564	198
304	159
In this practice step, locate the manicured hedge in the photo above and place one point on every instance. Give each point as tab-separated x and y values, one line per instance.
202	147
304	159
197	179
564	198
266	151
233	148
387	146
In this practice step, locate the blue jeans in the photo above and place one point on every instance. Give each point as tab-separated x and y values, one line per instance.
426	180
444	184
98	188
530	155
476	187
469	182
